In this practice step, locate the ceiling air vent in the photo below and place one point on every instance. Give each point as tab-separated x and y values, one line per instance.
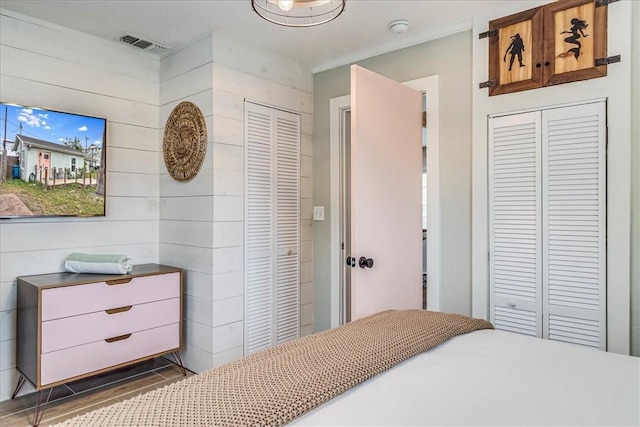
143	44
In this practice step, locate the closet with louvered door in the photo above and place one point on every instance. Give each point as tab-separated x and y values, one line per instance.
574	234
272	226
547	227
515	176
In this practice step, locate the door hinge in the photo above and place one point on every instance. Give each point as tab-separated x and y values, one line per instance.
607	61
490	33
489	83
605	2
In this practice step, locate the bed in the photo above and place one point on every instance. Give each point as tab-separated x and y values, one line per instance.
494	378
399	368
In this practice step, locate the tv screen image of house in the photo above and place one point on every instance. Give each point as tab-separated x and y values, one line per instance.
51	163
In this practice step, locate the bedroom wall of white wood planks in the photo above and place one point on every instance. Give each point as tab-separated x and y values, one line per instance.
217	74
241	71
186	208
43	65
198	225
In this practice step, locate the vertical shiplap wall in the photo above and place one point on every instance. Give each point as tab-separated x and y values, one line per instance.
202	221
186	208
52	67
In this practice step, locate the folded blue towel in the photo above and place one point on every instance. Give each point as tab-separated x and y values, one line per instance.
98	263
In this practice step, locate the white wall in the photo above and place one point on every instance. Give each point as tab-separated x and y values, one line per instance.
616	88
52	67
186	208
202	221
635	181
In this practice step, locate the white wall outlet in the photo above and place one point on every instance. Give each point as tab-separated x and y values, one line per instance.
318	213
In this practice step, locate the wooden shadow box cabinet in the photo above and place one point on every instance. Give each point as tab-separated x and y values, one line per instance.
72	326
561	42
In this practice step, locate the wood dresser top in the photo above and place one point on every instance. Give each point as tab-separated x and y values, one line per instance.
67	279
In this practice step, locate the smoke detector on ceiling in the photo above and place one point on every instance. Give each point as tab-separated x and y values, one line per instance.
143	44
399	26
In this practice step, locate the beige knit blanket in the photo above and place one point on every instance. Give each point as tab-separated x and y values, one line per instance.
272	387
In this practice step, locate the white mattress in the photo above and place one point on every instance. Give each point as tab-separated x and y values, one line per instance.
494	378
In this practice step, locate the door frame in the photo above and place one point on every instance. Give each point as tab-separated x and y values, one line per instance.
430	87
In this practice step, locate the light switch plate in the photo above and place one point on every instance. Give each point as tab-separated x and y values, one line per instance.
318	213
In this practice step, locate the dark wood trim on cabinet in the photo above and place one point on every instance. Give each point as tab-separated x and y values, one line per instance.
495	55
598	32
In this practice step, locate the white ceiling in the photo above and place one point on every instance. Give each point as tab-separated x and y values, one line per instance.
361	31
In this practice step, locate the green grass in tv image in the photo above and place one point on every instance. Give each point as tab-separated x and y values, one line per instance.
72	199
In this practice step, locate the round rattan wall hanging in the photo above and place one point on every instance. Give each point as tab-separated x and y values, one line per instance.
184	144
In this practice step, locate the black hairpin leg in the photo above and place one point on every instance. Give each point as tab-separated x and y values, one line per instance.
175	355
40	406
18	386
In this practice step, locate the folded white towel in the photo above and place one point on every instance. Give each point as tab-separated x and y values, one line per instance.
98	263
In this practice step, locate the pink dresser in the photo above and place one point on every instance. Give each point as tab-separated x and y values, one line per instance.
72	326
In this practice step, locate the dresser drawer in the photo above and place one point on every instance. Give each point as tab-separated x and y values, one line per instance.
93	297
77	361
73	331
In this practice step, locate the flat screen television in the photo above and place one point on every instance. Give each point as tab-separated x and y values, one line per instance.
52	163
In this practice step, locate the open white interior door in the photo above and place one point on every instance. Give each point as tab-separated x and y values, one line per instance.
386	167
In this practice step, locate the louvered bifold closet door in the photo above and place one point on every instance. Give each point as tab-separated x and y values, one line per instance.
272	226
288	228
515	227
259	228
574	279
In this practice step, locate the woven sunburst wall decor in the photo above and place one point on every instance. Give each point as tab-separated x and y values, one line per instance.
185	142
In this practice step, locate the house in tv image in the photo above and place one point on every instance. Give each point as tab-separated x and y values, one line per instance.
8	145
93	155
40	158
7	148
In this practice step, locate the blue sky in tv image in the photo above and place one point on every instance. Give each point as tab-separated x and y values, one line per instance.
50	126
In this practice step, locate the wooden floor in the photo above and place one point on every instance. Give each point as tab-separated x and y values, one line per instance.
85	395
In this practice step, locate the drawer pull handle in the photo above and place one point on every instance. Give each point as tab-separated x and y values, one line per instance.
119	310
118	281
119	338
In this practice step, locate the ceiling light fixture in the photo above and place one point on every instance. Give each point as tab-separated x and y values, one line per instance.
399	26
298	13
